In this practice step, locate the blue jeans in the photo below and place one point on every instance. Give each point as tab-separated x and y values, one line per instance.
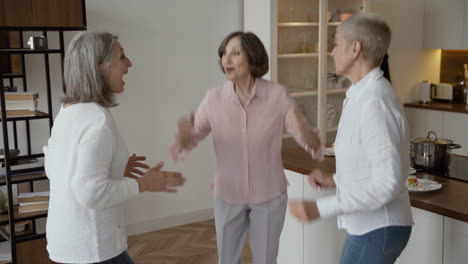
381	246
123	258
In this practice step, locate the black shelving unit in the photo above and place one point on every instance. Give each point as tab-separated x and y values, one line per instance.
11	138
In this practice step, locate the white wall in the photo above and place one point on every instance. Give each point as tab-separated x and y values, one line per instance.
173	46
409	63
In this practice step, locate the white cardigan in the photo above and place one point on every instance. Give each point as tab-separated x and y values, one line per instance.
85	162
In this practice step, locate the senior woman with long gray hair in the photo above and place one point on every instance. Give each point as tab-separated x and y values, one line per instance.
87	161
371	150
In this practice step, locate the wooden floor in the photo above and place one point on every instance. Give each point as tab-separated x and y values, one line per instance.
189	244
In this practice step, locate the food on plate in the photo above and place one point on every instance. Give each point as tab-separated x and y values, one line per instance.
412	181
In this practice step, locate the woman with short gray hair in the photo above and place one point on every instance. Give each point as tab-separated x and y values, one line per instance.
371	201
87	161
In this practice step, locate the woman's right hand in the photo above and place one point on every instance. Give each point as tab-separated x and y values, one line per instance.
156	180
320	179
184	137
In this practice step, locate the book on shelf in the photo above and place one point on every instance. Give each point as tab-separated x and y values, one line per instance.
21	96
13	153
21	105
22	165
33	197
33	207
19	226
20	113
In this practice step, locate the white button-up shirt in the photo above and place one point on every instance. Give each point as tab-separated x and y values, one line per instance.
372	160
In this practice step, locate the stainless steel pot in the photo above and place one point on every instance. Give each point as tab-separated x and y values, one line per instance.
431	153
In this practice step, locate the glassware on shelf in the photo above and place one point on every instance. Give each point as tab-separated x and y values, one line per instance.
310	80
291	14
304	39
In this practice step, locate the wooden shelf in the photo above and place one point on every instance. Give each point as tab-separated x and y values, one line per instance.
29	51
337	91
30	177
23	216
304	93
305	24
15	115
299	55
12	75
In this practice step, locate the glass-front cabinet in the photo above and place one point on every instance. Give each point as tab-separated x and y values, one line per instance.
300	41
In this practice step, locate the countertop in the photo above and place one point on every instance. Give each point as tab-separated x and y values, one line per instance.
447	107
451	200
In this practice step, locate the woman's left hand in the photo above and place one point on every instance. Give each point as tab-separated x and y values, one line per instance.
131	170
304	211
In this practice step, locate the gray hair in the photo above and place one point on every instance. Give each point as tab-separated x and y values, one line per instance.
371	31
83	80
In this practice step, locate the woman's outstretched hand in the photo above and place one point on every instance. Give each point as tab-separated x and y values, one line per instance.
184	137
157	180
309	136
320	179
304	211
134	165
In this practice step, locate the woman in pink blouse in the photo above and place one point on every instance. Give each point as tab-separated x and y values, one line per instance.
247	116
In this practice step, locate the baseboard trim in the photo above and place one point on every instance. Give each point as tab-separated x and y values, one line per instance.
170	221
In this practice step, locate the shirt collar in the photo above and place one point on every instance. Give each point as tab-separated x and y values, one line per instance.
259	90
358	89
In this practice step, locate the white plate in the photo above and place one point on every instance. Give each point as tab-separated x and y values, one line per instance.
425	186
329	152
412	170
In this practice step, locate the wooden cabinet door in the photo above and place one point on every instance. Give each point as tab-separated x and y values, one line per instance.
33	252
42	13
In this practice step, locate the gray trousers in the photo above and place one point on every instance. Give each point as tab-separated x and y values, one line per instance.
264	222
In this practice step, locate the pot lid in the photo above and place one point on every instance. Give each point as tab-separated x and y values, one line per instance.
432	138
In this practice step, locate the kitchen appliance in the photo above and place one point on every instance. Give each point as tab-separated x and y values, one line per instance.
425	92
442	91
37	42
431	153
458	168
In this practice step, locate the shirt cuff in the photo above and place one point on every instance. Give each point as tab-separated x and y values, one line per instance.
328	206
133	188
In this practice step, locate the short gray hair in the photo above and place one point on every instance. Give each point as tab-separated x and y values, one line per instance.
83	80
371	31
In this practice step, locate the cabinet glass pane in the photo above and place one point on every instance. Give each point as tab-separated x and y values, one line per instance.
297	57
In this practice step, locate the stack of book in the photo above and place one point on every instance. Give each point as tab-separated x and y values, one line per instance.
21	103
33	201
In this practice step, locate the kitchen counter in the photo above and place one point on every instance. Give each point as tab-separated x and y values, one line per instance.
451	200
447	107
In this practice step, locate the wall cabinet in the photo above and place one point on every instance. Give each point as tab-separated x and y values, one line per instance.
446	125
446	24
299	37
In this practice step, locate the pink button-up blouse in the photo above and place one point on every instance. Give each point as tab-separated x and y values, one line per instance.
247	140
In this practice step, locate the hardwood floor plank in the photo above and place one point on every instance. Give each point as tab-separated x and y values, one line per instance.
188	244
